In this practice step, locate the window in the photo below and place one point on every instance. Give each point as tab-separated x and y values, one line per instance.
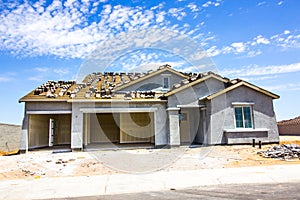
166	82
243	117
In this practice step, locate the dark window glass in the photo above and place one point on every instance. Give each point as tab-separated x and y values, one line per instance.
243	117
166	82
247	117
239	117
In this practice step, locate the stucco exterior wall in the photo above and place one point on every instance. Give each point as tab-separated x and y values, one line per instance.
48	106
157	79
221	112
192	94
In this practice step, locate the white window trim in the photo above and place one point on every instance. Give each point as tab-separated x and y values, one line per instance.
251	114
236	104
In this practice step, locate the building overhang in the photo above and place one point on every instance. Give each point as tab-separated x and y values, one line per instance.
190	106
49	112
117	110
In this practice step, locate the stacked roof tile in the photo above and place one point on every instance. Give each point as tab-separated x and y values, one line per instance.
104	86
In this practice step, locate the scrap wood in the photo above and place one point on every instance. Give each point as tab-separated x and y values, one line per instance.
284	151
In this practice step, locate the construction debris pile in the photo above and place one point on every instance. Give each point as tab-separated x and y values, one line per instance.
284	151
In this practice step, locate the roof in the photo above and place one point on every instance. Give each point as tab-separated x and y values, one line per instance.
101	86
294	121
193	80
235	83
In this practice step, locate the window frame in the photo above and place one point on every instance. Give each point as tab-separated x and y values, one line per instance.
243	116
168	79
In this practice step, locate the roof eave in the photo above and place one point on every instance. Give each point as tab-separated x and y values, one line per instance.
243	83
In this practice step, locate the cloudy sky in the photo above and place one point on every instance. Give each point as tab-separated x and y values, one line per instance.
258	41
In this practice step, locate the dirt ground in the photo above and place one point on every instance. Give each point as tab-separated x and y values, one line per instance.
43	163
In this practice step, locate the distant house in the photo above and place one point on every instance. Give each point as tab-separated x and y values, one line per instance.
289	127
159	108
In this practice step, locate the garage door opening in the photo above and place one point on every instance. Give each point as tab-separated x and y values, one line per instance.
49	130
119	129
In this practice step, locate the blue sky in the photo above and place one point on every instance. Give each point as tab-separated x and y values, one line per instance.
258	41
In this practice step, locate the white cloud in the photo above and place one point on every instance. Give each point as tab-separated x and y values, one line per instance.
7	77
42	69
212	3
177	13
286	40
193	7
65	31
261	40
280	3
61	71
251	54
43	73
213	51
74	28
284	87
37	78
255	70
259	78
262	3
239	47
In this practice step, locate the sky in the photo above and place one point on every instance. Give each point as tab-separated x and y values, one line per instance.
257	41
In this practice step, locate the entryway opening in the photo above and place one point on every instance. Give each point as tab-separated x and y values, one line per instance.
49	130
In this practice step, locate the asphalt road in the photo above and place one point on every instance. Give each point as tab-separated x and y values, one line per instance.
229	191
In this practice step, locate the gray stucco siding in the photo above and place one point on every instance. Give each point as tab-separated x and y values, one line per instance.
48	106
223	116
192	94
157	80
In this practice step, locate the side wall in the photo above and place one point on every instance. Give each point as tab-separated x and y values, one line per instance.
222	114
